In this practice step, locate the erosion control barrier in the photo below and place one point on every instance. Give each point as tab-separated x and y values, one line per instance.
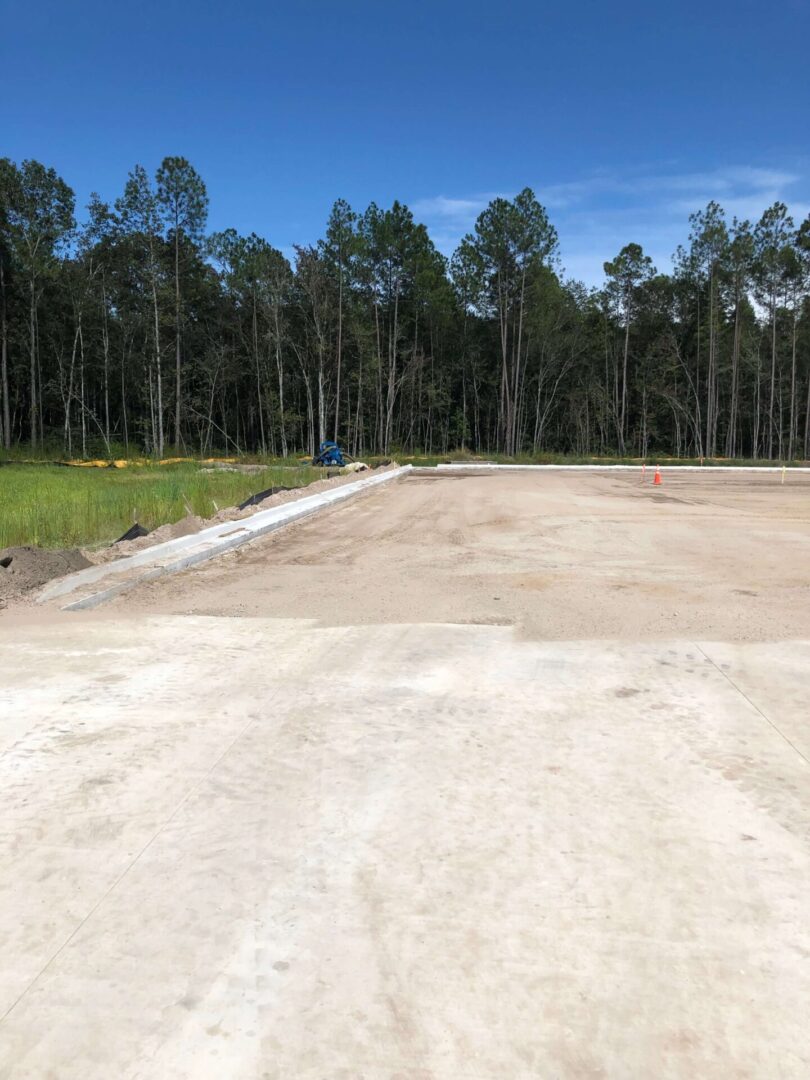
91	587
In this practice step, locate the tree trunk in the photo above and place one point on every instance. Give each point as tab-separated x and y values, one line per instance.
177	336
4	360
280	369
358	429
505	405
152	416
710	374
81	384
731	435
339	345
515	389
33	358
124	401
67	439
158	373
392	374
773	374
106	343
793	418
259	405
623	414
378	412
321	398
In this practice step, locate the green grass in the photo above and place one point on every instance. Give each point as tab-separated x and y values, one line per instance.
56	507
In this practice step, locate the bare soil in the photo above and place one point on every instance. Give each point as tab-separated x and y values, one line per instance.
722	556
25	568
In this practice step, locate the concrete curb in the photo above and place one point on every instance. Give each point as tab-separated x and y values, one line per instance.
469	467
175	555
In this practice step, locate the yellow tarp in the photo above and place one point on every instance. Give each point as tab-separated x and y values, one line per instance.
122	463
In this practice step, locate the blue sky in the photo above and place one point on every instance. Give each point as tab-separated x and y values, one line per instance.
623	116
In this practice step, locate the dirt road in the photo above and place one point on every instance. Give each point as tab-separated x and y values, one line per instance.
558	555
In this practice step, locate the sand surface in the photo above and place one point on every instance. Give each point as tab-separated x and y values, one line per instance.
558	555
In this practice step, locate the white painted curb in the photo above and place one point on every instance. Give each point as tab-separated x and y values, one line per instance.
185	551
470	467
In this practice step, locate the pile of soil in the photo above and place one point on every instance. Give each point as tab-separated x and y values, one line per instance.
24	568
184	527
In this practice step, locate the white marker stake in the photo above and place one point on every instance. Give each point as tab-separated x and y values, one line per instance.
783	474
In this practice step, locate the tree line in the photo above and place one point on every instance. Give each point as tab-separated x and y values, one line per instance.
138	331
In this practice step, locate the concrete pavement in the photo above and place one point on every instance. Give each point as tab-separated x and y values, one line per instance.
256	848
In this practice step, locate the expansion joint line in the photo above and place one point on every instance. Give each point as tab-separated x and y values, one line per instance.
753	705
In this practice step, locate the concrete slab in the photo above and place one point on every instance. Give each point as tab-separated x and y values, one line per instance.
93	586
257	848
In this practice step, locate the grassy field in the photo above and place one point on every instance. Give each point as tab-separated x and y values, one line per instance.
56	507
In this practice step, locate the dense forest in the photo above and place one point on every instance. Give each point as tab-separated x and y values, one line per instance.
137	331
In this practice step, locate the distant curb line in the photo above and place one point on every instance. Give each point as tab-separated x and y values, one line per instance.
492	466
175	555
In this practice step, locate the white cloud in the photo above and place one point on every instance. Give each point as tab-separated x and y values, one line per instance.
726	180
733	179
450	209
448	220
597	214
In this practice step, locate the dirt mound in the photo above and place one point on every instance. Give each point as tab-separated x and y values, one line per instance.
24	568
285	495
184	527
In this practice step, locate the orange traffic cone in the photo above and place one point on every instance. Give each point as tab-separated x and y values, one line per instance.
657	479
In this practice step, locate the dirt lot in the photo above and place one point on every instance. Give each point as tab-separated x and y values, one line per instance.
559	555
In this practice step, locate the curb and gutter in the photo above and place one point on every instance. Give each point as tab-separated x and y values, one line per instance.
494	466
99	583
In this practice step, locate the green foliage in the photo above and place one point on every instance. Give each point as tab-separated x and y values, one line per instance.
182	198
136	329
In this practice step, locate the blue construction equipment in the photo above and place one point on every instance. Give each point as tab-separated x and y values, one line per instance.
329	453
